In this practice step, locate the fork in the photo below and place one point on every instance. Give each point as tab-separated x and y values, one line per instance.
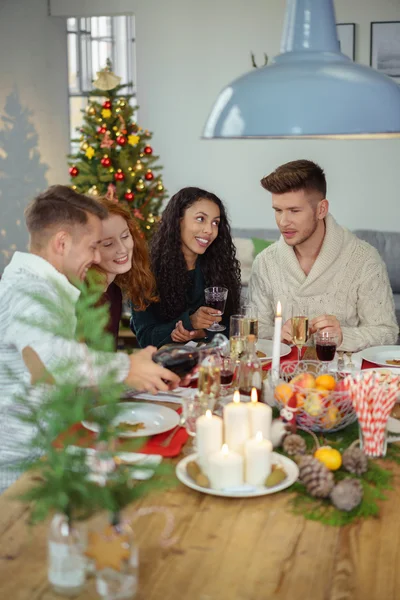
168	440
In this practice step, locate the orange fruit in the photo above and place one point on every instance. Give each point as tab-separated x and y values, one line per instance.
325	382
283	392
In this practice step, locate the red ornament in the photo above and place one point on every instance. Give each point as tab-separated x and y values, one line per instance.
105	161
119	176
148	150
121	140
74	171
129	196
107	104
149	176
102	130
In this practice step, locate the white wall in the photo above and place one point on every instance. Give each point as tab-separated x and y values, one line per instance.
187	51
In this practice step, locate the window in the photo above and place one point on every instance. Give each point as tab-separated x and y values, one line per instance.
91	41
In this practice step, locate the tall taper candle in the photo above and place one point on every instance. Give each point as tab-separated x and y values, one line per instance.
276	347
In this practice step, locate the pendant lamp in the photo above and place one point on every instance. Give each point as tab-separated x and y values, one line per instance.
310	90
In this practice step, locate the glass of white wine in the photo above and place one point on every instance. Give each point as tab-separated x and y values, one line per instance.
209	381
299	329
251	315
237	336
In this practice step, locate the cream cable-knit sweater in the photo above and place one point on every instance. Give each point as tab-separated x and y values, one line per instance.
348	280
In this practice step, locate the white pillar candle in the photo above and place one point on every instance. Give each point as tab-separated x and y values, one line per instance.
260	417
258	455
208	437
276	346
225	469
236	424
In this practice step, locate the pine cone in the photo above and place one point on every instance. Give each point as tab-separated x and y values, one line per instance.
294	444
355	461
347	494
318	480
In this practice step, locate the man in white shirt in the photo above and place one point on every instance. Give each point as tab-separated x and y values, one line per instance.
65	230
323	270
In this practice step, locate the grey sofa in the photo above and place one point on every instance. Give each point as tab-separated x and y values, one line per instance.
386	242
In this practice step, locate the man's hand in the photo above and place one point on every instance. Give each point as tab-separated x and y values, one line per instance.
204	317
147	376
286	333
327	323
180	334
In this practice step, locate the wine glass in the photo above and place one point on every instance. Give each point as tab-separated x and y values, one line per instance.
237	333
209	381
325	346
299	329
194	406
251	314
215	297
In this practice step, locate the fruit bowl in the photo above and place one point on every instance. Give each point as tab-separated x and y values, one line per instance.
322	402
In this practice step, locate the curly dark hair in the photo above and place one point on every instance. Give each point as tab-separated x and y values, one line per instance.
219	264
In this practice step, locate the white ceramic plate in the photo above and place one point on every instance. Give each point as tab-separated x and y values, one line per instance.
266	347
380	354
245	491
155	418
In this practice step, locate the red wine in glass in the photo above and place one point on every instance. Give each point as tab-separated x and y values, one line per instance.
226	377
325	352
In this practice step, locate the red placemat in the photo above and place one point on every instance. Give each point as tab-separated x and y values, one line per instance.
86	439
292	357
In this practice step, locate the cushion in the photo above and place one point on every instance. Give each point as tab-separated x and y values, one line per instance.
259	245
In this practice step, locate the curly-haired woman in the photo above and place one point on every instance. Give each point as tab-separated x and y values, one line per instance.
191	250
125	263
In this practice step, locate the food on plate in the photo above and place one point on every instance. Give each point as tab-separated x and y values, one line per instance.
395	362
130	426
195	473
260	354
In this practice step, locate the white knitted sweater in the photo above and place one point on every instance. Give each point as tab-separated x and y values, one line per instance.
348	280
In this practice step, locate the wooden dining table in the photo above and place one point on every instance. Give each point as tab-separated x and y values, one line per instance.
223	549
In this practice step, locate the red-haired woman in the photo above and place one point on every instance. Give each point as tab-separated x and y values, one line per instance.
125	262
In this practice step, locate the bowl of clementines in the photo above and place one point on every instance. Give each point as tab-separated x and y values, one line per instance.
320	398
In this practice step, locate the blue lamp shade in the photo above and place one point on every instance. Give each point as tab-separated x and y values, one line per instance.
311	90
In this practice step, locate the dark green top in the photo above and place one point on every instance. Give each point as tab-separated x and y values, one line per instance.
152	329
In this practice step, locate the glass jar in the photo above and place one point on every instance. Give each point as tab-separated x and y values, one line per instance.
66	561
117	573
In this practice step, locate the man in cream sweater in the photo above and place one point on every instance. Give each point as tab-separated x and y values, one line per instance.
337	280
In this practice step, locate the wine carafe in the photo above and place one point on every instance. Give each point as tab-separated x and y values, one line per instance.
184	359
250	370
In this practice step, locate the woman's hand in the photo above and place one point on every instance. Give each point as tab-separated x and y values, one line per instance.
204	317
180	334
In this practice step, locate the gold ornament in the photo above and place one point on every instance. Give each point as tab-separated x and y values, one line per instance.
148	227
129	168
74	187
106	113
115	128
91	110
133	174
160	187
99	120
93	191
117	110
111	170
90	153
106	80
133	140
139	166
141	155
122	102
84	146
140	185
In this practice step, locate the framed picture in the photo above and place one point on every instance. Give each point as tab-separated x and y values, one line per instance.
346	33
385	47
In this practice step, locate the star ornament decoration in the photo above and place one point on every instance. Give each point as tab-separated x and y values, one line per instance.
106	113
90	153
133	140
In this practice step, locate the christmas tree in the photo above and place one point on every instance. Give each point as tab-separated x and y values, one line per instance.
115	158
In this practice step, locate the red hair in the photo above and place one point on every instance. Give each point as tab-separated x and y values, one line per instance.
138	284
